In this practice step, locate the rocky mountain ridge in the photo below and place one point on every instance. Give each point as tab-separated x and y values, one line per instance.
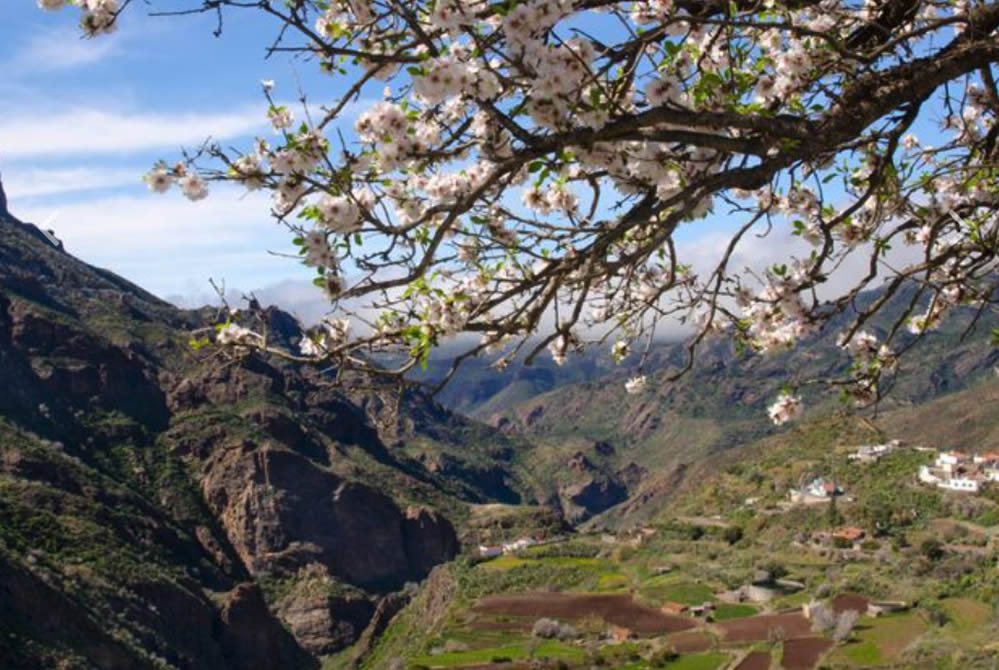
218	512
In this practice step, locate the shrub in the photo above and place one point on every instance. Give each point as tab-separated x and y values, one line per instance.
932	549
823	619
550	629
663	657
732	534
845	624
936	614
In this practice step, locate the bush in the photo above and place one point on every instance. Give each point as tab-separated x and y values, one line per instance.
823	619
932	549
550	629
841	543
936	614
663	657
870	545
732	534
845	624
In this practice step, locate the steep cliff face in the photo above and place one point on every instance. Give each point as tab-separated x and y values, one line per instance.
162	506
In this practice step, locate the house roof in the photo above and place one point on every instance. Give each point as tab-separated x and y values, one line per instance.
850	533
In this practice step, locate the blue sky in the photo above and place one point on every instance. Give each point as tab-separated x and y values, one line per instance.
82	120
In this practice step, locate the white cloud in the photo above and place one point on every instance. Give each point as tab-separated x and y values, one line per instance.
60	48
35	182
90	130
164	243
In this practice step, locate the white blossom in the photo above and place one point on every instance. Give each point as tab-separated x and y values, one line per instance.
786	408
635	385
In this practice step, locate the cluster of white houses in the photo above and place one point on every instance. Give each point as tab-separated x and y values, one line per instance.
493	550
956	471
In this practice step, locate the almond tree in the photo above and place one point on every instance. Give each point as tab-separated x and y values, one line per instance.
528	168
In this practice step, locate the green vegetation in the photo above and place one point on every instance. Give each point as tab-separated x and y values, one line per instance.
666	589
880	640
711	661
726	611
548	649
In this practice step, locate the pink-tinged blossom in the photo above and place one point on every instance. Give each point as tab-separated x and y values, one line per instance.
280	117
786	408
635	385
159	179
193	187
233	334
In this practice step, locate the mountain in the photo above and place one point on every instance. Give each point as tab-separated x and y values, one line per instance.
721	402
166	507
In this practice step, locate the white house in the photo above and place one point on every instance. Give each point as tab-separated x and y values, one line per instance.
948	461
822	488
517	545
490	551
960	484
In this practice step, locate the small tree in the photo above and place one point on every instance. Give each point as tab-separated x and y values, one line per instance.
732	534
776	635
823	618
833	516
663	657
932	549
845	624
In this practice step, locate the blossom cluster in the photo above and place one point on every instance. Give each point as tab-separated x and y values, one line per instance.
98	17
524	177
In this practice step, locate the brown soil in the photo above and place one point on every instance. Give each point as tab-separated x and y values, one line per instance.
850	601
803	653
756	660
618	609
757	628
690	642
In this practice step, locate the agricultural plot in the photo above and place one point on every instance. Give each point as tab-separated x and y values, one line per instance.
802	653
673	589
727	611
619	610
755	660
880	641
760	628
478	657
699	662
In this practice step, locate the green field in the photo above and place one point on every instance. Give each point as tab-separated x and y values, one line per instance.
880	640
699	662
671	590
515	653
726	611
